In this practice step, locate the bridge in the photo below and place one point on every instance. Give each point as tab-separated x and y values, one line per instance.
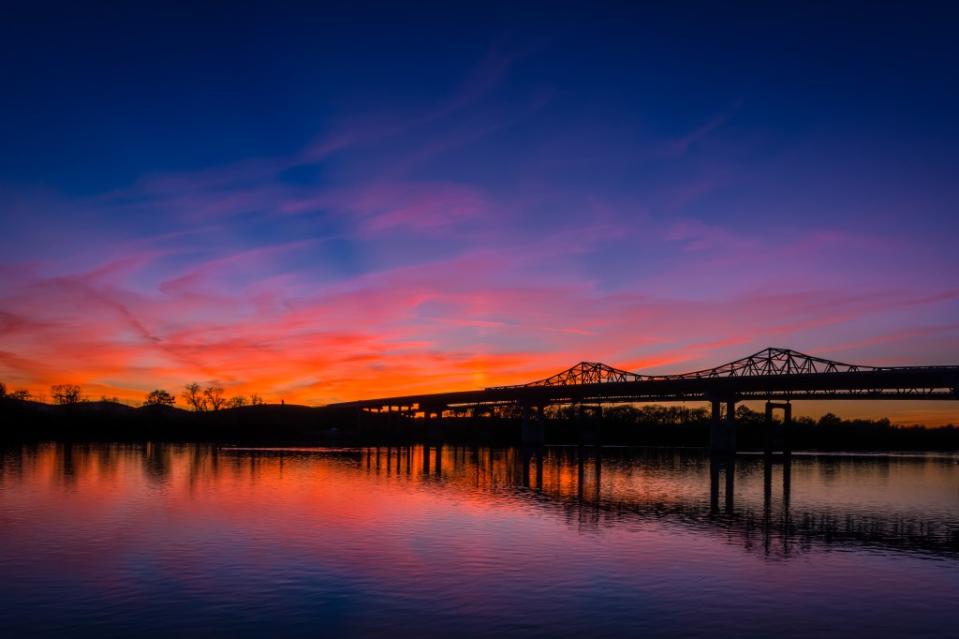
776	375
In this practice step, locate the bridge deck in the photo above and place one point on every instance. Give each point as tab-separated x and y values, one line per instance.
928	382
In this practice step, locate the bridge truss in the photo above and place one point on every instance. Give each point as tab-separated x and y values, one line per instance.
771	374
584	373
769	361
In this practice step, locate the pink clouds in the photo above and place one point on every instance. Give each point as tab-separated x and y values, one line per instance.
505	308
387	206
445	249
448	324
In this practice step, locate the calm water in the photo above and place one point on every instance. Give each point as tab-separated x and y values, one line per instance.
165	540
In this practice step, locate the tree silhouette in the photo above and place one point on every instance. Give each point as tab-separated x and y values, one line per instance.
66	394
213	396
159	397
194	397
21	394
255	400
3	390
830	419
236	402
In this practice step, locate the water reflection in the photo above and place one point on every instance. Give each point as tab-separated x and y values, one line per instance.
744	497
595	487
584	539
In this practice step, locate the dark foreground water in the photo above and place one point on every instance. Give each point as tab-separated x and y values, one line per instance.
197	541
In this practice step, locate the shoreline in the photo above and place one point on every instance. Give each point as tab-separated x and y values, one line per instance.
291	425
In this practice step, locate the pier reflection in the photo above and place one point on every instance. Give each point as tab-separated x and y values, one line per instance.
776	505
744	498
586	541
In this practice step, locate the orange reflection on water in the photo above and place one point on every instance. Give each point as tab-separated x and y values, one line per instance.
354	489
173	535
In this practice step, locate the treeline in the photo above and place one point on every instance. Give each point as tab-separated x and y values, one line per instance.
99	421
202	398
681	426
210	416
196	397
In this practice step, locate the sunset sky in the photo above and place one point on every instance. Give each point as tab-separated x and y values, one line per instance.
320	205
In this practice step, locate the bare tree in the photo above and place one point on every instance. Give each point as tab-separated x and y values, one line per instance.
236	402
194	397
213	395
66	394
3	390
159	397
255	400
20	394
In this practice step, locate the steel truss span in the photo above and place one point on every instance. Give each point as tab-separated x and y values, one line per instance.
770	374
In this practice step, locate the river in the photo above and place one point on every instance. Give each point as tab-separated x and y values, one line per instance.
162	540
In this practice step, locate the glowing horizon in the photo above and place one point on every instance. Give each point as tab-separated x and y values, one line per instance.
435	215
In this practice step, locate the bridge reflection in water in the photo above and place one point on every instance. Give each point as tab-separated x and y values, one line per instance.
597	487
777	505
178	540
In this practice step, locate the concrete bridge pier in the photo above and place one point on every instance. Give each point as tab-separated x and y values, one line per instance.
777	436
722	432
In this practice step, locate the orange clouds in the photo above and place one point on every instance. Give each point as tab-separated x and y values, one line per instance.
451	324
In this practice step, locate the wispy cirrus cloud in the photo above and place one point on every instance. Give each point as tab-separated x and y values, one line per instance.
451	245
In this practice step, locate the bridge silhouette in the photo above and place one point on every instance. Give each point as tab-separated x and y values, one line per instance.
777	375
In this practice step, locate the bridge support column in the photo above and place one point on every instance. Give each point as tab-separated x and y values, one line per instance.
722	432
768	426
787	428
777	436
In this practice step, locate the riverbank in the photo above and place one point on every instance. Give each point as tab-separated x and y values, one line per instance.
25	421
